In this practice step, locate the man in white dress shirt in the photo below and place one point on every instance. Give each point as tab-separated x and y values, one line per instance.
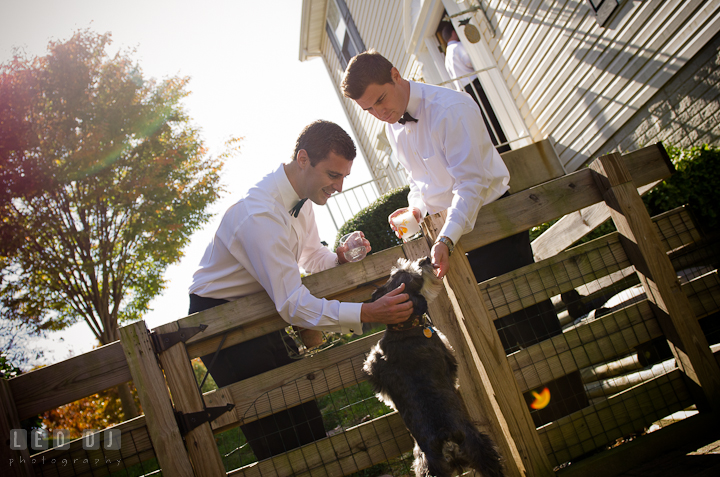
443	145
458	64
259	245
457	60
440	138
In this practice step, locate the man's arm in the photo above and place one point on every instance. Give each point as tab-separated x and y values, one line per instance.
314	257
463	56
260	244
477	171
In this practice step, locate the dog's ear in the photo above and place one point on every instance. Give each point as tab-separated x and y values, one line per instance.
432	285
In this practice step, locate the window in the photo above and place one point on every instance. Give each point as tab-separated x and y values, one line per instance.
603	9
342	32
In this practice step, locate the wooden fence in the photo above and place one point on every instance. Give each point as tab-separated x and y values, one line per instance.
643	252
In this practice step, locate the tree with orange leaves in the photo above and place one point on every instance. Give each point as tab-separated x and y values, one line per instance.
95	412
102	182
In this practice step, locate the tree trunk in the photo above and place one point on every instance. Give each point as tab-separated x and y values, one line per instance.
124	391
128	402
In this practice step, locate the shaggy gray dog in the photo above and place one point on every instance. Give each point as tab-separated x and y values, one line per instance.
413	370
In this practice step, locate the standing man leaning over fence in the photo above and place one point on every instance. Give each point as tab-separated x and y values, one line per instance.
440	138
261	241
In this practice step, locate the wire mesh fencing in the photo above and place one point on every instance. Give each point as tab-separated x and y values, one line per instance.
581	337
126	452
584	342
357	435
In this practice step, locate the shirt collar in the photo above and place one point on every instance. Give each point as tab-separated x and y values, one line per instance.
413	106
288	196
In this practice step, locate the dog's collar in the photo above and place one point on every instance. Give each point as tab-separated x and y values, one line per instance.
415	321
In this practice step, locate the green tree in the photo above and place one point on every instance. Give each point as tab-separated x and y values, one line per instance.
102	182
697	172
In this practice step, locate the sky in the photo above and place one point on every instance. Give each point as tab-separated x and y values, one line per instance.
246	80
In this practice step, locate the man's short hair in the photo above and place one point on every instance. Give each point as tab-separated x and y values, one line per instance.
447	31
320	138
363	70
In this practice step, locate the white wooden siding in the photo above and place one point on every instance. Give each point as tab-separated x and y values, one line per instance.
311	36
380	25
683	113
572	80
578	82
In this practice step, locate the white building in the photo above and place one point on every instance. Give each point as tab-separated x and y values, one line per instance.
592	76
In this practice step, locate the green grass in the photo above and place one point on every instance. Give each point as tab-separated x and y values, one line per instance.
233	449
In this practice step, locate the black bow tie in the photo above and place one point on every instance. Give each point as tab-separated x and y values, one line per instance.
406	117
296	210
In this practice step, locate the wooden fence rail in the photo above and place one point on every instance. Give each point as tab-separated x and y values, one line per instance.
254	315
491	384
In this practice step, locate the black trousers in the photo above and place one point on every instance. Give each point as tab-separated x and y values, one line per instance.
530	325
497	135
284	430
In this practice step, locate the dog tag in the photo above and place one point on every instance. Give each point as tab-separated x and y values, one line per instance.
428	332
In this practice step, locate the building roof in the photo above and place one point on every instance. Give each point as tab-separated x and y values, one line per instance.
311	28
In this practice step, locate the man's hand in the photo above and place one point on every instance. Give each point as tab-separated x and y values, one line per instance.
416	213
395	307
440	256
341	249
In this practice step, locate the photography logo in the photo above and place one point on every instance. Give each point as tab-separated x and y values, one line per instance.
40	439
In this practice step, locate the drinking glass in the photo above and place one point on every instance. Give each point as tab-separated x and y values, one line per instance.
355	246
407	225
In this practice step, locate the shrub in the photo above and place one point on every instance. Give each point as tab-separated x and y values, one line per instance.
694	183
373	222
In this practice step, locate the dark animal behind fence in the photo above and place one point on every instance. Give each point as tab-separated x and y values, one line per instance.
413	370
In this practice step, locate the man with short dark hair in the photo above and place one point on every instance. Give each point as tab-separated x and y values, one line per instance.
457	60
440	138
259	245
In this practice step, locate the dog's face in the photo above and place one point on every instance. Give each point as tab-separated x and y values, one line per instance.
420	281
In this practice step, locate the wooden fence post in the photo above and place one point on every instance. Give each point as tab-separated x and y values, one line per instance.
491	391
187	398
155	400
670	304
18	461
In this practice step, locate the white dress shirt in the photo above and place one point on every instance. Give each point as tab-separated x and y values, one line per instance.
458	63
259	246
450	159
